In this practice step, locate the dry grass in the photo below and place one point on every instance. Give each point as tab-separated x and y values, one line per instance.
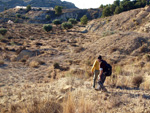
37	107
36	63
69	105
1	62
77	106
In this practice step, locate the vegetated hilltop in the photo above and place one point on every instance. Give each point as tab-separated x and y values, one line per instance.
35	3
39	16
50	71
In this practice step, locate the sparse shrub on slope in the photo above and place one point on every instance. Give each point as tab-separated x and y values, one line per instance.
58	10
3	31
18	15
73	21
28	8
47	27
57	21
56	65
84	20
137	80
67	25
47	17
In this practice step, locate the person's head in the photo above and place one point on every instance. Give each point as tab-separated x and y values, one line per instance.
99	58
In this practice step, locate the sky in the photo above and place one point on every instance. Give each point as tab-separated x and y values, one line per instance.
89	3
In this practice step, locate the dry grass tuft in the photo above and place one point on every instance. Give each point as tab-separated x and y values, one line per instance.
113	49
69	105
77	106
36	63
1	62
137	80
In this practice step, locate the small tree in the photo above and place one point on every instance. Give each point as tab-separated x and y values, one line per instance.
106	12
73	21
47	17
28	8
57	21
66	25
84	20
3	31
47	27
118	10
58	10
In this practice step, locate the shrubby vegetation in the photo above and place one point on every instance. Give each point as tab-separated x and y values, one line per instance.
47	27
57	21
121	6
73	21
84	20
66	25
47	17
18	15
3	31
28	8
58	10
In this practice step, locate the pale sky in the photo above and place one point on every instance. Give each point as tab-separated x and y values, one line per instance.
89	3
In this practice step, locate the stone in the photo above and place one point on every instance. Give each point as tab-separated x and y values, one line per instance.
66	88
28	53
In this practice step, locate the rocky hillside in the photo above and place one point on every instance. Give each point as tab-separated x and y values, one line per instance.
39	16
133	20
36	3
50	71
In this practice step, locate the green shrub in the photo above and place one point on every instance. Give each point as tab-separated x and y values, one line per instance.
47	17
47	27
3	31
58	10
57	21
18	15
84	20
66	25
28	8
73	21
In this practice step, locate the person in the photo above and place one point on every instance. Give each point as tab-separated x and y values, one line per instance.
95	70
102	73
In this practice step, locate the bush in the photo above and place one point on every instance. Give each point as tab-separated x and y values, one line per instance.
18	15
47	27
84	20
67	25
56	66
137	81
28	8
73	21
48	17
58	10
3	31
57	21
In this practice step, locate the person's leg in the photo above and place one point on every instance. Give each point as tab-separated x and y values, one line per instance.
96	72
101	81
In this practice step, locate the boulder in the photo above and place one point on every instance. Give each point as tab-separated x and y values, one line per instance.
28	53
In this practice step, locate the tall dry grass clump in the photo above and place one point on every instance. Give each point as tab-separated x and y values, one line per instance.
37	107
69	105
73	105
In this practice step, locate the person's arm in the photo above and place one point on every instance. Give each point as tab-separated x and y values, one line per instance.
93	67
